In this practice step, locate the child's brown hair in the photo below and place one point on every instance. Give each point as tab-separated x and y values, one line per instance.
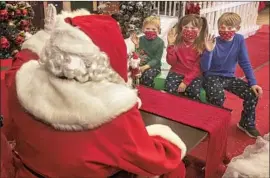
154	20
229	19
197	21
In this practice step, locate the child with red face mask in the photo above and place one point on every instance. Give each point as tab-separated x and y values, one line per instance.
219	63
185	45
150	49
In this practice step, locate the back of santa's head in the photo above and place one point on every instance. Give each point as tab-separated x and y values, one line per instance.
86	48
36	42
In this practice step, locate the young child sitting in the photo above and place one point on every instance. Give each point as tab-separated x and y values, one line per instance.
150	47
183	54
219	62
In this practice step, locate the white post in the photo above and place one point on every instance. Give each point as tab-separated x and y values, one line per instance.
158	8
174	7
165	11
170	8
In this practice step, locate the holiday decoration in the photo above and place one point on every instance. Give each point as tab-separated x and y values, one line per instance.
15	21
193	8
108	7
135	69
131	15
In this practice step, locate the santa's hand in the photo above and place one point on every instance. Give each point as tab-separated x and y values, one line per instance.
50	18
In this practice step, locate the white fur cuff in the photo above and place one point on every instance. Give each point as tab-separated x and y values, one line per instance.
167	133
139	101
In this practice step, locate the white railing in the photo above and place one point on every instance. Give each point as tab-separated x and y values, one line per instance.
212	11
170	8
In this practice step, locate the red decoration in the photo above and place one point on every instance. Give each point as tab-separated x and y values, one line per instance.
19	39
26	29
4	43
24	23
15	19
192	8
24	11
18	12
3	14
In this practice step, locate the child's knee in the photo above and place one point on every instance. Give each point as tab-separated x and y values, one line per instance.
251	96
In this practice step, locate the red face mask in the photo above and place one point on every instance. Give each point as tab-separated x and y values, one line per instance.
226	35
150	35
189	35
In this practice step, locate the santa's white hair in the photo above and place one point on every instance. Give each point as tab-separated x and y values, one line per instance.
70	53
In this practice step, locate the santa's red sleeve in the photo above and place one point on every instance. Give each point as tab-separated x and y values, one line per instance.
6	159
146	151
21	57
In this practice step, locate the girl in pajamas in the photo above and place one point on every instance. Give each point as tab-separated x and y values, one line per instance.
185	45
150	48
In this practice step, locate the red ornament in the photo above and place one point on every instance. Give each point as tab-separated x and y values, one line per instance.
135	55
4	43
17	12
19	40
24	23
24	12
3	14
191	8
26	29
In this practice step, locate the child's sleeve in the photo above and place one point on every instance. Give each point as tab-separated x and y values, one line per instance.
157	57
244	63
171	56
206	59
195	72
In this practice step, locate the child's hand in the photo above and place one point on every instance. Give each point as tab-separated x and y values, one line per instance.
210	42
257	90
182	87
171	37
135	39
143	68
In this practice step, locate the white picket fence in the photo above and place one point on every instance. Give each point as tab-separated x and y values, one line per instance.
212	11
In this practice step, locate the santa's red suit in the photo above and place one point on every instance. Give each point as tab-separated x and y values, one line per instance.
84	127
31	50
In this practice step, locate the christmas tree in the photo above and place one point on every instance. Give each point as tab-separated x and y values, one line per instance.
132	14
15	21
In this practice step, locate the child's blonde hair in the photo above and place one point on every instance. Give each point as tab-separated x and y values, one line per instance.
229	19
196	21
153	20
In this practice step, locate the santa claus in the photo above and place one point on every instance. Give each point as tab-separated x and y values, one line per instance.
31	50
75	115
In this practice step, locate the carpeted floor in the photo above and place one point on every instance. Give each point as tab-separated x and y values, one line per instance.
258	48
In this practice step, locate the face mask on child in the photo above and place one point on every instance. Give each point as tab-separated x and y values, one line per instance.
189	35
226	35
150	35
